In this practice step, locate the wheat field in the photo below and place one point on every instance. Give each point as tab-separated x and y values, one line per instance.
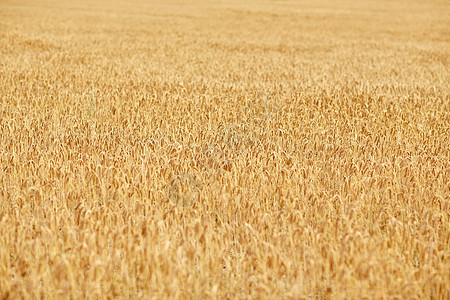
224	149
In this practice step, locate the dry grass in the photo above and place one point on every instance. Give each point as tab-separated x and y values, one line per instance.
267	149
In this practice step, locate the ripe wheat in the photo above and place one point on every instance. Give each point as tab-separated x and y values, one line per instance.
210	149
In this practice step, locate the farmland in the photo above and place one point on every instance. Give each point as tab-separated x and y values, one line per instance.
224	149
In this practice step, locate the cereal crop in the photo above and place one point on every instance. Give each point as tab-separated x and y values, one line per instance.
198	149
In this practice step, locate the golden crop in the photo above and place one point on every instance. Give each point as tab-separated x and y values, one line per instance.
224	149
